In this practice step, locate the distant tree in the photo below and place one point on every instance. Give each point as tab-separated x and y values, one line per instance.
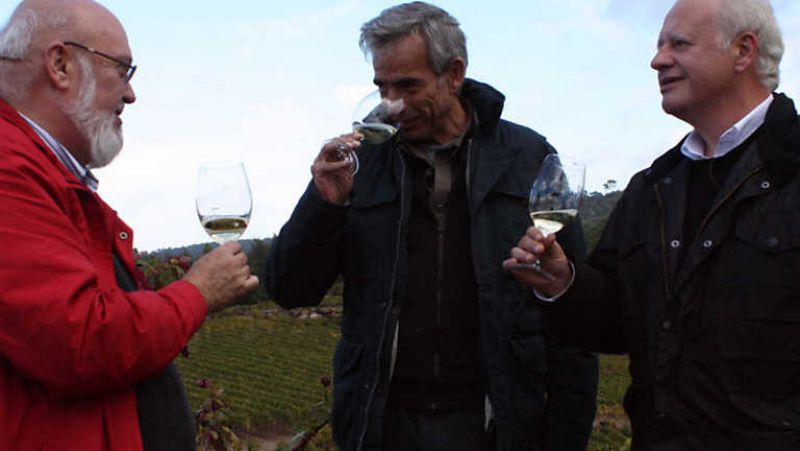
594	213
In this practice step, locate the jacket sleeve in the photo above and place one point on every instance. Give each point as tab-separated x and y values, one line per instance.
589	314
57	325
572	375
304	259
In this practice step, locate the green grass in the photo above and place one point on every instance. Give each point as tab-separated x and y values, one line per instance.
270	368
270	364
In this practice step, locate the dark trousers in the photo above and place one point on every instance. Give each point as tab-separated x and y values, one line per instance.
435	430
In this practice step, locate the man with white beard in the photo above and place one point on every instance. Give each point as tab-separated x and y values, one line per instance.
85	357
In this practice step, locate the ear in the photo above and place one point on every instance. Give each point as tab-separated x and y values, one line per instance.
455	73
745	48
59	66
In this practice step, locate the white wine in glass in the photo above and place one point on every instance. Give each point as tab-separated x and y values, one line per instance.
377	120
223	202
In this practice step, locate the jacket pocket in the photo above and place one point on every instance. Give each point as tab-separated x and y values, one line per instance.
764	276
370	237
761	357
347	392
758	317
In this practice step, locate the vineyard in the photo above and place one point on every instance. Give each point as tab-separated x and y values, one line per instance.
270	362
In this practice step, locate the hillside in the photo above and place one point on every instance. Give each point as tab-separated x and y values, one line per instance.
270	362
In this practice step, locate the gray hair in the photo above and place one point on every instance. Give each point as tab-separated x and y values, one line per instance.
16	42
440	30
757	16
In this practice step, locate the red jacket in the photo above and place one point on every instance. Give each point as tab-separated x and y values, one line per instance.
72	344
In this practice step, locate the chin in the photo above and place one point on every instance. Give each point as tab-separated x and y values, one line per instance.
105	149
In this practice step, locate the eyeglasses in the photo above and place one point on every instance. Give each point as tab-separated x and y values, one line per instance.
128	68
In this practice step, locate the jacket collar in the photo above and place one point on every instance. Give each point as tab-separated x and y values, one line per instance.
12	116
778	145
779	141
487	104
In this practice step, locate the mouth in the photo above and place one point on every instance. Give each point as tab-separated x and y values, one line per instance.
668	81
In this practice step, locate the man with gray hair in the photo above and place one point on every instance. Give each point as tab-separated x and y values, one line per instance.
84	356
440	349
696	275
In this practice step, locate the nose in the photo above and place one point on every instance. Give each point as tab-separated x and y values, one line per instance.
661	59
128	96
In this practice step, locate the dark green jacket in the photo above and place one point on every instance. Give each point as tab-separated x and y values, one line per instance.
365	243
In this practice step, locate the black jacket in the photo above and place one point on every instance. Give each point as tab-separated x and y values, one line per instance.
366	243
714	337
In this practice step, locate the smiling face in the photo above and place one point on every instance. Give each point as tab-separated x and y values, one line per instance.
694	73
432	111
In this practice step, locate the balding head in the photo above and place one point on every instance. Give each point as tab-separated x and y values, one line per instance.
51	73
37	24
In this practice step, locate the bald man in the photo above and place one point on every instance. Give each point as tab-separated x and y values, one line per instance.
85	357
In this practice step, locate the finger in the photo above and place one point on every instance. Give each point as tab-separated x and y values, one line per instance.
231	247
348	141
240	259
251	283
509	263
522	255
531	245
535	234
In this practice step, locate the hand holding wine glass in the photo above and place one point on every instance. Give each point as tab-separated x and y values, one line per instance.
554	199
223	207
223	203
376	120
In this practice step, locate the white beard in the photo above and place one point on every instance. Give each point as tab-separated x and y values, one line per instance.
99	128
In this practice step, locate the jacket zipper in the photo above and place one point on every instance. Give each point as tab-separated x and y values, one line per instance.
389	307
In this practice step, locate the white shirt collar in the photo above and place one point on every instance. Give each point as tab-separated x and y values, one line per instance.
64	156
693	146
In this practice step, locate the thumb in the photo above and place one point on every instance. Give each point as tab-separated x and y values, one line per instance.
251	283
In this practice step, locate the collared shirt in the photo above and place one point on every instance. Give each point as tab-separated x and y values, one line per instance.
693	146
440	158
74	166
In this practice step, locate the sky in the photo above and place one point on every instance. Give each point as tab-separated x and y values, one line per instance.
266	83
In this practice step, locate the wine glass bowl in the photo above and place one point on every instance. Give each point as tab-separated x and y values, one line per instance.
377	118
224	203
556	194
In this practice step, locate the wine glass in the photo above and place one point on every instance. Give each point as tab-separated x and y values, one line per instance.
223	202
554	199
556	194
376	119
